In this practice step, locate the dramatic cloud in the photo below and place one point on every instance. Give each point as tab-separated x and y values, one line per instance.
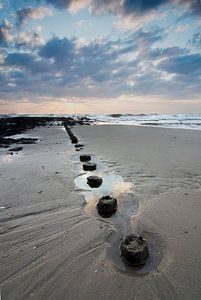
126	7
61	3
58	49
145	61
102	68
64	66
144	6
27	13
135	13
26	62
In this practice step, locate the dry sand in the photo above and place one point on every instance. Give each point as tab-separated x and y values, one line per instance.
51	249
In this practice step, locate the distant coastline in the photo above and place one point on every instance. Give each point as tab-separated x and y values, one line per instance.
185	121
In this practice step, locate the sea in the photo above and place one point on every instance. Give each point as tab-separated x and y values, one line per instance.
185	121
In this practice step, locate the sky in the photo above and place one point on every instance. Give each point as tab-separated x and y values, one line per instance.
100	56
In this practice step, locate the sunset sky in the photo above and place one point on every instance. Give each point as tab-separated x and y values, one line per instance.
100	56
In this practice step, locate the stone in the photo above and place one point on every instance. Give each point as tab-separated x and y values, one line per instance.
89	166
16	149
74	140
94	181
107	206
85	157
134	250
79	145
70	134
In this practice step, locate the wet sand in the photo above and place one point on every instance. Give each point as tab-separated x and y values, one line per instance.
53	246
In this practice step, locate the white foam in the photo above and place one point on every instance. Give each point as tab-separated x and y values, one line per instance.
186	121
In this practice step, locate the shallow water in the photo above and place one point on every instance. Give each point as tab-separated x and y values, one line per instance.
23	135
112	184
156	251
8	158
119	224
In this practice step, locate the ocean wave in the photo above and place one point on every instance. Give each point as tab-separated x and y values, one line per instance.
188	121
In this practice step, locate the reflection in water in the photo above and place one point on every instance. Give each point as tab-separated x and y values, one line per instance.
7	158
156	252
113	185
22	135
2	207
78	168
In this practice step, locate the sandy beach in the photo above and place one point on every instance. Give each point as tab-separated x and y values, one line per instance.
54	246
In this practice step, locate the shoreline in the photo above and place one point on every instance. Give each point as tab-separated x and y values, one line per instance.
51	249
146	126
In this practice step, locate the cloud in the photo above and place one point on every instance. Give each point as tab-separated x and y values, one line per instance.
26	62
25	14
131	65
196	40
181	28
183	65
191	5
126	7
5	34
61	3
64	66
31	39
60	50
19	59
72	5
164	53
142	6
135	13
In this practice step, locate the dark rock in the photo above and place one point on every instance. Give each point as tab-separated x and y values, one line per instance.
134	250
27	141
79	146
94	181
5	142
89	166
16	125
16	149
85	157
74	140
107	206
116	115
4	146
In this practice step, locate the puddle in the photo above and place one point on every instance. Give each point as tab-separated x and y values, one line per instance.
78	168
112	185
156	252
119	224
22	135
7	158
3	207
